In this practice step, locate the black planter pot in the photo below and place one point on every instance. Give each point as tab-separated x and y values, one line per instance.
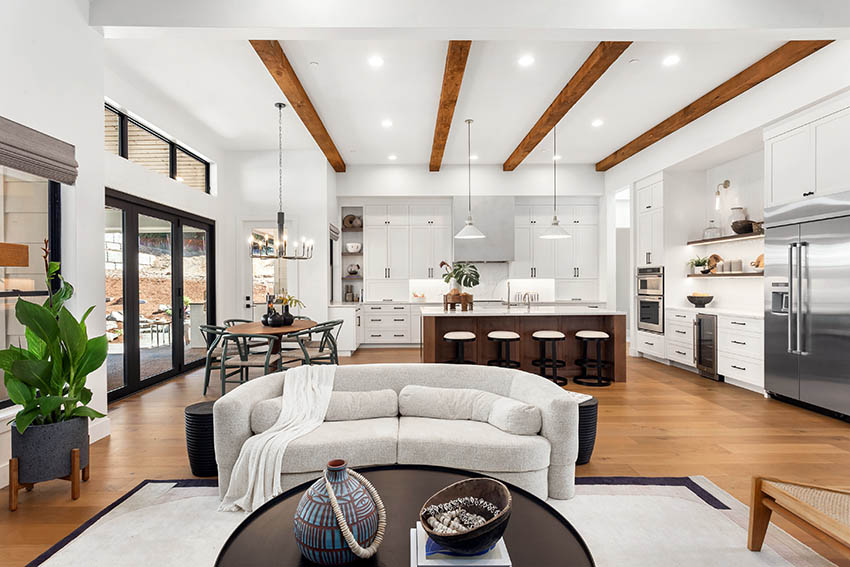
287	317
44	451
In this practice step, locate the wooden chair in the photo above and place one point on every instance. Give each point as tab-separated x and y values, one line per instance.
235	354
819	511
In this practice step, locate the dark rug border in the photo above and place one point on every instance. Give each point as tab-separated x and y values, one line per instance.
685	481
178	483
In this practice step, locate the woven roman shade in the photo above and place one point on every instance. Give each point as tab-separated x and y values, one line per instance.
31	151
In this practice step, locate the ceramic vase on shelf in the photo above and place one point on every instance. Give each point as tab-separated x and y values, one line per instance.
316	531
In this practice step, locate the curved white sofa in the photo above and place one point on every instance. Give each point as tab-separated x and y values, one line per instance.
543	464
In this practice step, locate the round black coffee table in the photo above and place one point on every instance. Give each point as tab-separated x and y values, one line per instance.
537	535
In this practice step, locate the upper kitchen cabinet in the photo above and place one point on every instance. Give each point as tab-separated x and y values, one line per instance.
431	215
650	221
650	197
386	249
382	215
580	214
807	155
429	245
532	215
578	256
534	257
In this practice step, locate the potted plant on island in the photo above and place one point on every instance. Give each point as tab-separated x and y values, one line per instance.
698	264
460	275
48	379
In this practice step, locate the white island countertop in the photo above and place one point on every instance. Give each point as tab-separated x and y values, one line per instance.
520	311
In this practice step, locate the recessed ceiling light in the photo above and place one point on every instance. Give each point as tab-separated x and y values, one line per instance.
671	60
597	123
634	60
387	123
392	157
473	157
556	157
314	64
376	61
526	60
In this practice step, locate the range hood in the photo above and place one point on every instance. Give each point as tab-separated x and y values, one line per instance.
494	216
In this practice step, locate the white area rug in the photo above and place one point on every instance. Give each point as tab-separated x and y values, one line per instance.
626	521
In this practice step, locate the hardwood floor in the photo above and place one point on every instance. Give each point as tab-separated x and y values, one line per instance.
662	422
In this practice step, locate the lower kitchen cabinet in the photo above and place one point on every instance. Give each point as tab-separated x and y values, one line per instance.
386	324
350	333
650	343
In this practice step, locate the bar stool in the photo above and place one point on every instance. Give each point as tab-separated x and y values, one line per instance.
459	338
552	338
585	363
503	339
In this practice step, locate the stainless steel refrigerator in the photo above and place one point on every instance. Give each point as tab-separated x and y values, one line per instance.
807	301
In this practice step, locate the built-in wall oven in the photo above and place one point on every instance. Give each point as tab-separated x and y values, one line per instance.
650	299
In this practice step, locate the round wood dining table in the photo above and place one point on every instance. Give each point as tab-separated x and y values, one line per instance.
257	328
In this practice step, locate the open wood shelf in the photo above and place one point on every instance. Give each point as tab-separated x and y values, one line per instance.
729	275
353	278
353	253
352	229
730	238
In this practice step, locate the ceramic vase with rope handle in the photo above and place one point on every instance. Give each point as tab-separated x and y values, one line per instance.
340	518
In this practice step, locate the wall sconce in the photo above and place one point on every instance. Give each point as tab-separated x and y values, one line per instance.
724	185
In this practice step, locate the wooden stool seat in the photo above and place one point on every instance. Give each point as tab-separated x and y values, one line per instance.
503	340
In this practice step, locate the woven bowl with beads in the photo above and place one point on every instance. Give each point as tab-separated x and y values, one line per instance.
485	536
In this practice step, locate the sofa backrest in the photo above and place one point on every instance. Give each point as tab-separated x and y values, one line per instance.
361	377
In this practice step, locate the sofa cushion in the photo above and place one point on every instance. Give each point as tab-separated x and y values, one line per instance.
470	445
507	414
445	403
343	406
515	417
361	443
348	406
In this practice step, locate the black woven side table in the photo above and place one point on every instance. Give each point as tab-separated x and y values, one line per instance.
587	414
199	439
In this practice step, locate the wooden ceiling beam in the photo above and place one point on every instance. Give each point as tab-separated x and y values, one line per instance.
456	56
763	69
284	75
594	67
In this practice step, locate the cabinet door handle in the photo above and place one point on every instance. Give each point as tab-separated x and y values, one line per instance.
398	307
738	343
738	367
389	273
738	323
808	193
680	316
375	320
650	257
376	336
681	332
399	320
398	335
648	343
680	352
648	207
578	272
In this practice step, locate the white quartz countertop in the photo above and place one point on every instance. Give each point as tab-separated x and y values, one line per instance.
519	311
714	311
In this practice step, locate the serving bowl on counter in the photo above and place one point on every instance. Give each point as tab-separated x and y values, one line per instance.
700	300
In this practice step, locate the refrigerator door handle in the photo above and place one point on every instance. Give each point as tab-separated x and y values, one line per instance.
803	306
791	247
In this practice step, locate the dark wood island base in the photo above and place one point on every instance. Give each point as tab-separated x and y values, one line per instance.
436	323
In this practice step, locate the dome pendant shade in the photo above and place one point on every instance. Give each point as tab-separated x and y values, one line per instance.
555	231
469	231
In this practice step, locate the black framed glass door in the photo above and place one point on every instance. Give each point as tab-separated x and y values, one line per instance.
159	290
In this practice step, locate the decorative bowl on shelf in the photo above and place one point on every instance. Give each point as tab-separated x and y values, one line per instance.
700	300
485	498
353	247
742	226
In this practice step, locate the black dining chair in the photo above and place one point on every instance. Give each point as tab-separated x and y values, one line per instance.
321	351
236	355
212	336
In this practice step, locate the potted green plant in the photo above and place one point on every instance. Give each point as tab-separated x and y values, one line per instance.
698	264
48	379
460	275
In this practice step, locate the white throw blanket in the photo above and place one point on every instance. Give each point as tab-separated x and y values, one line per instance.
256	475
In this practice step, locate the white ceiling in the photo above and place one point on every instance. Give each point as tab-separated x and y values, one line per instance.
223	84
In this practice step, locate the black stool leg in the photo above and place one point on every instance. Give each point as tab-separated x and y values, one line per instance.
459	352
599	361
543	359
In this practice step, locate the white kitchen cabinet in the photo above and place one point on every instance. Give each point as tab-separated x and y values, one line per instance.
375	247
387	290
430	215
650	197
577	290
534	257
415	325
532	215
580	215
386	250
347	340
398	248
831	145
358	317
429	245
650	238
387	323
789	167
378	215
578	256
650	343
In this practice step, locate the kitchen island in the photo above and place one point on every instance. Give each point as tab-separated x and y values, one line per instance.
525	321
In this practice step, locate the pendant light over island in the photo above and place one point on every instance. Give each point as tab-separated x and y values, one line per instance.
469	231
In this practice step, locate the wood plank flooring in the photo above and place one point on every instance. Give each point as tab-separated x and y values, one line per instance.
662	422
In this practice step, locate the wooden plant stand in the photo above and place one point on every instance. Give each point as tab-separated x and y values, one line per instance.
74	477
451	302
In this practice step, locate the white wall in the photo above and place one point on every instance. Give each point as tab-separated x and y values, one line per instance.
52	66
416	180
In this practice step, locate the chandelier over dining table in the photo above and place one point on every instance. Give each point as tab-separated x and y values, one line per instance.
280	246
